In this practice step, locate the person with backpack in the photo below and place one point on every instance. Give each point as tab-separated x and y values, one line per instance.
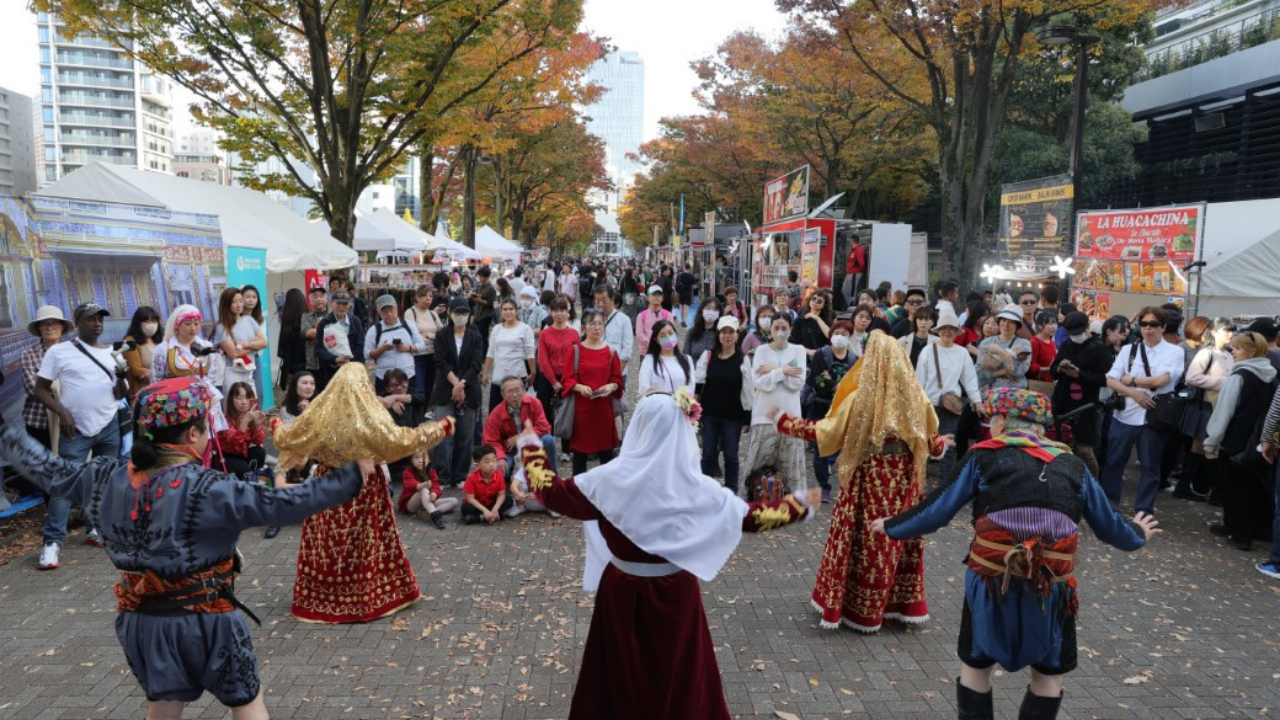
391	343
1235	431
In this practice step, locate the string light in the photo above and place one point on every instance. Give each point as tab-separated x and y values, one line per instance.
992	273
1062	267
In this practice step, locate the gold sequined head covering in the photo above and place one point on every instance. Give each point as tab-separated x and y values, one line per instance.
347	422
877	399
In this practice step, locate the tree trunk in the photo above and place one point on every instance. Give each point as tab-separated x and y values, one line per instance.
426	196
469	200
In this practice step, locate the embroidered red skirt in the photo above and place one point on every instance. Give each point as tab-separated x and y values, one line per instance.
351	565
865	578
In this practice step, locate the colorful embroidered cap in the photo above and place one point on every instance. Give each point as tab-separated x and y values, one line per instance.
172	402
1016	402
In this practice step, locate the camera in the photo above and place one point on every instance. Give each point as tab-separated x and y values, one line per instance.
203	351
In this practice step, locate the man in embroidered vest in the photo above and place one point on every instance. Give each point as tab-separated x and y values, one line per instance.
1029	495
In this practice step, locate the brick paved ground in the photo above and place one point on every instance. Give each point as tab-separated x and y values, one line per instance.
1186	629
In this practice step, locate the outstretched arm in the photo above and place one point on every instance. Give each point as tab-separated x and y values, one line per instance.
556	493
230	501
1109	525
936	509
762	515
51	473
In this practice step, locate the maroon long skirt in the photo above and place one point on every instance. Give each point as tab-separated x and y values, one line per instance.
649	654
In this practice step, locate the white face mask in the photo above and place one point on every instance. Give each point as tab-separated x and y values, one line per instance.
150	328
1079	339
711	315
460	319
526	304
840	342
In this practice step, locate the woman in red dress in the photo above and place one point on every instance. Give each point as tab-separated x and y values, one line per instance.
594	372
351	565
885	429
663	526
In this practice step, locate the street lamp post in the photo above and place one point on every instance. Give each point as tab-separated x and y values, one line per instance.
1059	35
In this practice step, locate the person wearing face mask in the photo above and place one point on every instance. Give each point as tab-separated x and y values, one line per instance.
459	352
531	313
664	368
763	332
778	375
1080	369
829	367
144	332
702	336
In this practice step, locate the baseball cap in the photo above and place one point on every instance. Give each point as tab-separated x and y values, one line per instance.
85	310
1075	322
1266	327
385	301
655	290
459	305
340	296
728	321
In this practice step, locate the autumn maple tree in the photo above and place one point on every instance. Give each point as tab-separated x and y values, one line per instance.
969	54
340	88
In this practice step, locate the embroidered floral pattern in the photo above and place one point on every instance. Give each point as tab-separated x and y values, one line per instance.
171	402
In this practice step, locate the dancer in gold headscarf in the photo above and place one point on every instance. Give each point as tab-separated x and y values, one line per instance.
885	430
351	565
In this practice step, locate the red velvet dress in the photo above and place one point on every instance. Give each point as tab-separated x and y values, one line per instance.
594	429
351	565
649	654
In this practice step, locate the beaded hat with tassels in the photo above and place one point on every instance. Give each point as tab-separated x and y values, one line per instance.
172	402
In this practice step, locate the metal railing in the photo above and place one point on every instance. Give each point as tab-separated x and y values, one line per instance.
95	139
69	118
93	61
1221	41
74	98
94	81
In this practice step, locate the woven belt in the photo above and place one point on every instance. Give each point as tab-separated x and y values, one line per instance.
646	570
1014	565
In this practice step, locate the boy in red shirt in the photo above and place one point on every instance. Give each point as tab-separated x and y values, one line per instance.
484	494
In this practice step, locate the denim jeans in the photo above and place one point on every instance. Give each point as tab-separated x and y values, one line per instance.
76	449
822	466
1120	442
452	457
721	435
424	374
548	444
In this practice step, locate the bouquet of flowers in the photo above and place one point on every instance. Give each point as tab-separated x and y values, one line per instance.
689	405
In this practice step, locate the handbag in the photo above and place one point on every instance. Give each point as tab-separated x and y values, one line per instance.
766	485
1166	416
565	410
950	401
1196	414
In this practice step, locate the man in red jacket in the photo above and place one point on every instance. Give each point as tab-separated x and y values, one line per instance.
502	427
854	270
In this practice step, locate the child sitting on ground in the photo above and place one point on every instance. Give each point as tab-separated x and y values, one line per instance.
485	494
241	444
421	494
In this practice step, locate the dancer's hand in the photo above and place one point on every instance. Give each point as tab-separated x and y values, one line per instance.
1148	524
814	499
948	441
877	526
367	466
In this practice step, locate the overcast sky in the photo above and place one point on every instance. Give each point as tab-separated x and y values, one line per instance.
668	34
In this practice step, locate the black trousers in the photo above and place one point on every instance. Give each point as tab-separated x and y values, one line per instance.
471	516
580	460
1247	505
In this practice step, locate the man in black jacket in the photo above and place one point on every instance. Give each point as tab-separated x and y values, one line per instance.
329	360
459	352
1080	369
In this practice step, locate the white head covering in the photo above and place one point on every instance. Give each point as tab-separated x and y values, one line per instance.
654	492
171	322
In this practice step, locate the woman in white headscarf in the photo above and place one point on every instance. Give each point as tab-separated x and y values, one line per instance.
656	527
183	353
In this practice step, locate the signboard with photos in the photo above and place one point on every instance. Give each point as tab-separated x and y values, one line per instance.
1138	251
787	196
1035	218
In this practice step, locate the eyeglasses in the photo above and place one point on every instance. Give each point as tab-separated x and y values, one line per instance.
915	301
1150	324
817	300
1028	302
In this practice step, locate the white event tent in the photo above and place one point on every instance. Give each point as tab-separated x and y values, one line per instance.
383	231
1242	259
493	245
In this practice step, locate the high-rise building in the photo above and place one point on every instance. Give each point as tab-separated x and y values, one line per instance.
17	144
617	118
197	156
98	105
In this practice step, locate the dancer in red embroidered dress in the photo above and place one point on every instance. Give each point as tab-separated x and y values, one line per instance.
662	526
885	429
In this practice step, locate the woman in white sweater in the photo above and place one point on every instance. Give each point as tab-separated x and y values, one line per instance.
664	368
778	374
944	367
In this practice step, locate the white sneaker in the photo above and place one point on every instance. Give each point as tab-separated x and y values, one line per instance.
48	557
515	511
94	538
554	514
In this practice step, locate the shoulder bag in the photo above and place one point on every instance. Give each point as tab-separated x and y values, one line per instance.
1196	413
124	414
951	402
1166	416
565	411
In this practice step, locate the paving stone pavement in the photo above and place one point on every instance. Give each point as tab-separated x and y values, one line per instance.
1184	629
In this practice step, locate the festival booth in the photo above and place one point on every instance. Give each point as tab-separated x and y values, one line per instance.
1034	235
264	242
491	244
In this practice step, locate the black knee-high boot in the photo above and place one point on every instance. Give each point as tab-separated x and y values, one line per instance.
973	704
1035	707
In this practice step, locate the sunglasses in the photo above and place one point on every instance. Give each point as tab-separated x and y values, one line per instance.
1028	302
916	301
1150	324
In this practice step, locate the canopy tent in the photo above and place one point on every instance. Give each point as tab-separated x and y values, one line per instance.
1242	259
493	245
383	231
456	251
247	218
